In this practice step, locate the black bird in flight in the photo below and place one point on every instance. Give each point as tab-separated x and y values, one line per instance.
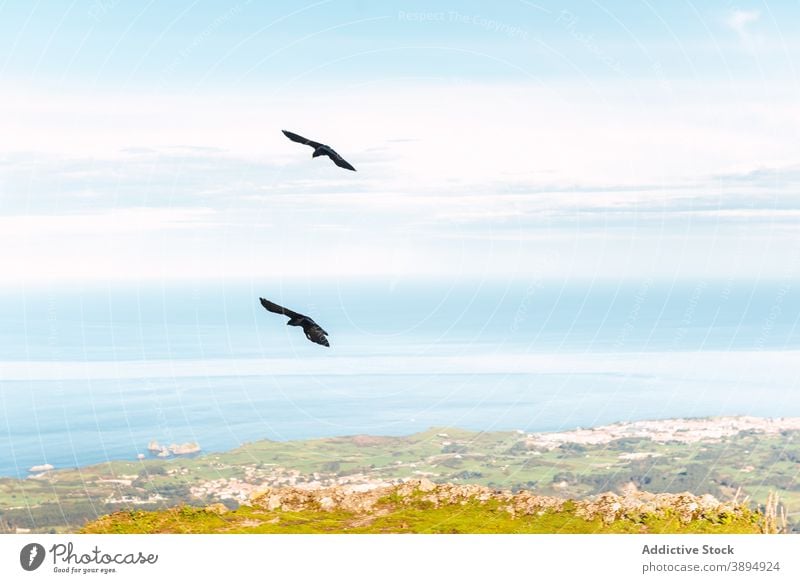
313	331
320	150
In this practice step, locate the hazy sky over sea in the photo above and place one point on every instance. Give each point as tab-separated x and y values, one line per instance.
141	141
565	213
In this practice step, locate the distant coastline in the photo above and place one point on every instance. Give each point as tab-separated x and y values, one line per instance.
729	458
680	430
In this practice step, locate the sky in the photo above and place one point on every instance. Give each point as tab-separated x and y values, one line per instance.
141	140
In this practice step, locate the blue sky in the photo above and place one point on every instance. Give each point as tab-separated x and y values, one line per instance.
579	139
191	43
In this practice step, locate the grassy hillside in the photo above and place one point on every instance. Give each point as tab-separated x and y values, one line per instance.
423	507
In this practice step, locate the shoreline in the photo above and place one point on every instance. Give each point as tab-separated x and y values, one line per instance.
726	457
686	430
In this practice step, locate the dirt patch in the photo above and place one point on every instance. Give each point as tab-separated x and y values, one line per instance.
366	520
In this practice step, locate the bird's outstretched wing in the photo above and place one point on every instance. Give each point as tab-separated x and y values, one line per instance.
315	333
301	140
276	309
341	162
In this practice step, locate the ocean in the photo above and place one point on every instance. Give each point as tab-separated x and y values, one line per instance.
90	373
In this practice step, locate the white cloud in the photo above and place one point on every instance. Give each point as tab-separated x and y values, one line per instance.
481	171
123	220
741	21
564	134
735	366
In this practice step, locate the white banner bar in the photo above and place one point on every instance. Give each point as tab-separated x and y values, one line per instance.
400	558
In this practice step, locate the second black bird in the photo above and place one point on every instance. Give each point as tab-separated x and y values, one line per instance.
312	330
320	150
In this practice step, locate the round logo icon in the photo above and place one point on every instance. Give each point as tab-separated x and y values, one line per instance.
31	556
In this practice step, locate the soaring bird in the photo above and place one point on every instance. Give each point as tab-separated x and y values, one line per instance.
313	331
320	150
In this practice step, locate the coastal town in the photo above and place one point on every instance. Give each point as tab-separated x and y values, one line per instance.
667	430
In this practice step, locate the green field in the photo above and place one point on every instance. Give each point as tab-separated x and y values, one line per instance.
471	519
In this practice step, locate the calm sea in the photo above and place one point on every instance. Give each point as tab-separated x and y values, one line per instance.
92	373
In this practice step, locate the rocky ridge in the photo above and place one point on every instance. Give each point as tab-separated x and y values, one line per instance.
630	505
